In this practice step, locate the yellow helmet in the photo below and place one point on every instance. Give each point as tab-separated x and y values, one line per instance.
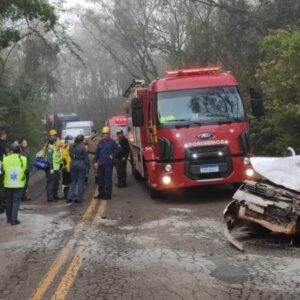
52	132
105	130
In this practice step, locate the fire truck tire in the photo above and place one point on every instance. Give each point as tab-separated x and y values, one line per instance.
154	194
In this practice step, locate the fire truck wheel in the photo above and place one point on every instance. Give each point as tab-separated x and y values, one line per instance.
154	194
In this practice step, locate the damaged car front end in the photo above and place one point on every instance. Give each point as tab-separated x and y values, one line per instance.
271	202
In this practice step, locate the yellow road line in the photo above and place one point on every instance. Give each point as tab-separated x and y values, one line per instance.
62	256
99	213
89	210
48	279
69	276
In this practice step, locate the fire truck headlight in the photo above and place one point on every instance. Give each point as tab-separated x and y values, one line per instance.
249	172
194	155
166	179
246	161
168	168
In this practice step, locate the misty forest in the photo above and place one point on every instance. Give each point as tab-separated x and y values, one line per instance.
81	58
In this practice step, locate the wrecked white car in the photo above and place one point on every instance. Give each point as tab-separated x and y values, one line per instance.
271	202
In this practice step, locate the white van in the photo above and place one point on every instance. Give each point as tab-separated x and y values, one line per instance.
86	126
72	132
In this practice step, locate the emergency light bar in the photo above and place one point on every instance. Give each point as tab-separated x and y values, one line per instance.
208	70
120	120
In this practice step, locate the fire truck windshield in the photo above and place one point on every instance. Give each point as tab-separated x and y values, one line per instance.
213	105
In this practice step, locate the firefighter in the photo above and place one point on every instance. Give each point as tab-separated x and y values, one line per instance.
66	158
121	159
53	157
14	168
79	167
51	133
104	161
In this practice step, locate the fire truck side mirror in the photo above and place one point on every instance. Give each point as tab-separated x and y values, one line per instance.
137	112
256	101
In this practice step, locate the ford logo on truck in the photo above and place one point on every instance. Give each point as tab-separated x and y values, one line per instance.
205	136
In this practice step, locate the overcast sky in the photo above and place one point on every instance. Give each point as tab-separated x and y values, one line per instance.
71	3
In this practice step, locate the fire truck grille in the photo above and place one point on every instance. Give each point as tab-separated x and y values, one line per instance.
208	163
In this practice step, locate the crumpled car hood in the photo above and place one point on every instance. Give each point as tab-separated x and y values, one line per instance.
284	171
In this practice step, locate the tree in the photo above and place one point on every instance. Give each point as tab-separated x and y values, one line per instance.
279	74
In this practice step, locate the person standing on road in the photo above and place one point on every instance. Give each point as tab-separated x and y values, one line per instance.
14	168
23	143
66	173
121	159
3	151
92	144
79	167
3	144
104	161
53	173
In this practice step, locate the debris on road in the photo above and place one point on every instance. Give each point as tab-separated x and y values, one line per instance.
271	202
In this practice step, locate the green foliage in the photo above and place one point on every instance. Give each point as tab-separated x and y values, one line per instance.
279	74
27	64
23	111
13	11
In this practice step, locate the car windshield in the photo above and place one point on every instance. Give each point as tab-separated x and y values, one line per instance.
72	132
200	106
86	129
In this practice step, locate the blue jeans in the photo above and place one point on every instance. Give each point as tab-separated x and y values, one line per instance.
77	179
14	197
105	180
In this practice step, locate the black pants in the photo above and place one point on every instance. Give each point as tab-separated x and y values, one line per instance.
66	182
121	166
2	200
52	185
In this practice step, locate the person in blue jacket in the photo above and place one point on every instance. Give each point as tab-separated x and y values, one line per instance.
79	166
104	162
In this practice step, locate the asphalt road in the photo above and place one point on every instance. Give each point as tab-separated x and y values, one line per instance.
133	247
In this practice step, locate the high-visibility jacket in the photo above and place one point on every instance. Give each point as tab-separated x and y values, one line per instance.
14	167
53	158
58	145
66	157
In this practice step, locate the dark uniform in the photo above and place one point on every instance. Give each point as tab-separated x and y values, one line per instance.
107	149
121	160
79	167
3	151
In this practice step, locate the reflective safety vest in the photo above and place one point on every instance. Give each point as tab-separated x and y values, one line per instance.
56	158
14	167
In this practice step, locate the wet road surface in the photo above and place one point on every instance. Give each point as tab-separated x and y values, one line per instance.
133	247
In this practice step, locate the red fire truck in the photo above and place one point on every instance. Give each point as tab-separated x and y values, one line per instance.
116	124
189	129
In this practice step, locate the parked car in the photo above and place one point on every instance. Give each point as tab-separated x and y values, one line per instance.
72	131
86	126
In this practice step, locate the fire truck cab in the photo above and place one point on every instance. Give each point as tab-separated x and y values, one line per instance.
188	129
